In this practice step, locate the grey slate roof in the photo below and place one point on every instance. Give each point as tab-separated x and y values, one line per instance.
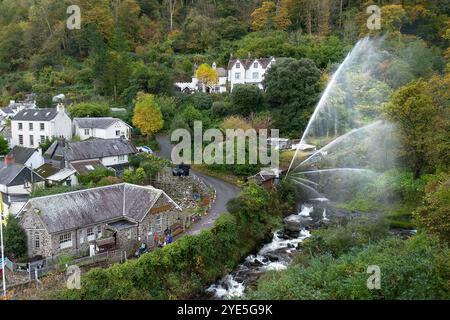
21	154
100	123
36	114
79	209
98	148
16	174
248	62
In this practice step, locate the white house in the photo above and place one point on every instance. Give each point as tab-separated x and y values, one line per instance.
30	128
248	71
195	86
112	153
14	107
29	157
103	128
16	182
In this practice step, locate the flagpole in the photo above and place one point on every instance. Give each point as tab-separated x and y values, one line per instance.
2	249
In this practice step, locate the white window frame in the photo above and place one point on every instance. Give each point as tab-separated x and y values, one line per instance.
42	138
65	240
37	240
121	157
20	126
237	76
31	140
42	126
255	75
87	132
30	126
21	139
90	234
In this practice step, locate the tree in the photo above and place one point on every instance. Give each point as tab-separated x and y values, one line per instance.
89	109
413	111
235	122
207	76
246	98
269	16
15	239
434	215
4	148
292	90
147	116
134	176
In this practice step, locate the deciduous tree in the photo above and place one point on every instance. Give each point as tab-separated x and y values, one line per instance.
147	116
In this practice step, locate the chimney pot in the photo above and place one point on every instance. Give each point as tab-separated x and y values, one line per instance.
9	159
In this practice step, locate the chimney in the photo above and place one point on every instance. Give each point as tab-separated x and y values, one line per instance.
62	142
60	107
9	159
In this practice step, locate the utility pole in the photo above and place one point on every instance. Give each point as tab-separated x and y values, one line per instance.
2	247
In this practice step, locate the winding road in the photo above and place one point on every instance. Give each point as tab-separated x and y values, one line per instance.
224	190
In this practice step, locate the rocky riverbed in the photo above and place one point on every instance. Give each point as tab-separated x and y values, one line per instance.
275	255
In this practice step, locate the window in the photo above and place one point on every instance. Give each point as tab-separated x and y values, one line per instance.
237	75
21	139
37	241
90	167
31	140
86	132
129	234
90	232
158	223
255	75
238	65
65	240
20	125
99	231
117	133
30	126
42	126
255	65
42	138
121	157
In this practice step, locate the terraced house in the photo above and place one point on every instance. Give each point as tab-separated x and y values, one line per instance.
85	222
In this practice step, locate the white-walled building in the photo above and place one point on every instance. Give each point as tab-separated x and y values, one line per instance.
103	128
15	107
31	127
112	153
29	157
248	71
239	71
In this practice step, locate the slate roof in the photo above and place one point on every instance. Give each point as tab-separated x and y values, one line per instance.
100	123
46	170
248	62
98	148
78	209
21	154
16	174
82	166
36	114
221	72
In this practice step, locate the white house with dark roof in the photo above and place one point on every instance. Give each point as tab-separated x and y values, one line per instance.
120	216
248	71
30	128
14	107
196	86
30	157
103	128
112	153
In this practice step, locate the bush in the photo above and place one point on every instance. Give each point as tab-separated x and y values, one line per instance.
89	109
434	215
417	268
202	101
15	239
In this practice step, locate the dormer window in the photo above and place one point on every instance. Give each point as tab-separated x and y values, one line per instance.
255	65
238	65
86	132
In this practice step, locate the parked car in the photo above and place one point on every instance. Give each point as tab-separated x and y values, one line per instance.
181	170
145	149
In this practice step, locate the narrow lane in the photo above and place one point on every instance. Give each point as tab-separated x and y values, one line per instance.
224	190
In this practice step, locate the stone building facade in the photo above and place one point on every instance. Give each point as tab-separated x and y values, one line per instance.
75	223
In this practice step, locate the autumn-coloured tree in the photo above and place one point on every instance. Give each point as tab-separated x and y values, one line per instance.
234	123
147	116
207	76
269	16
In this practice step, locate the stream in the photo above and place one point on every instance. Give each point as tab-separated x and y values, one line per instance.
275	255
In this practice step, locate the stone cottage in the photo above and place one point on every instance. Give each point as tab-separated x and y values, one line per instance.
120	216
